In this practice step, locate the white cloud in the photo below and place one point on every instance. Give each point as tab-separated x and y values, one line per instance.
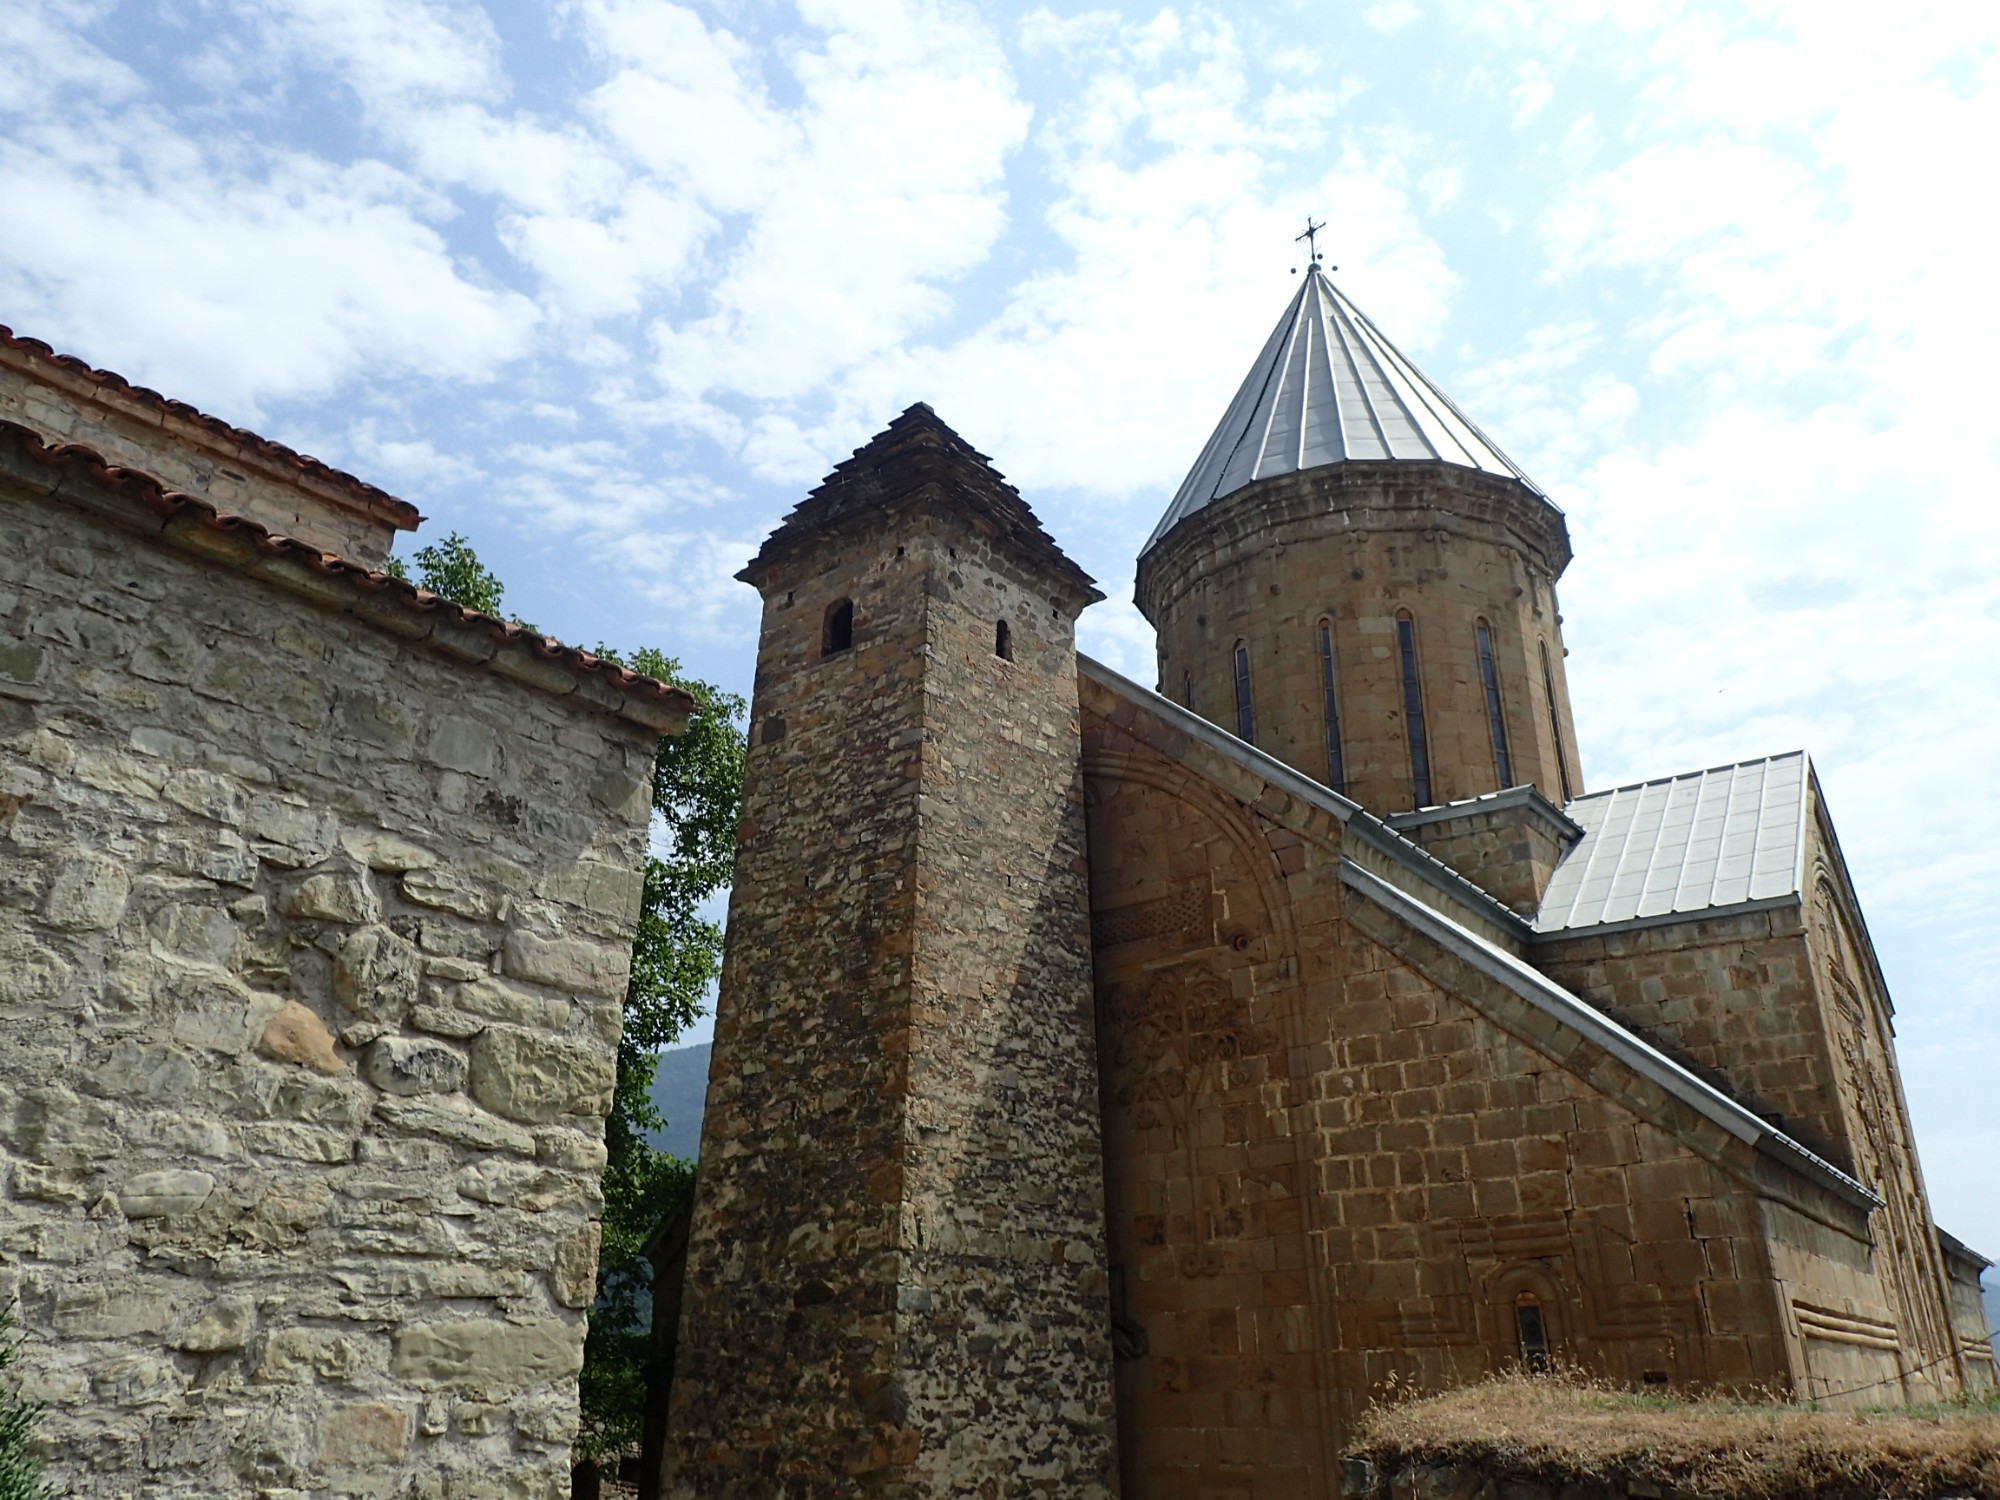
236	279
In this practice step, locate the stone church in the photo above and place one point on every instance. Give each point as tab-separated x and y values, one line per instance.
1113	1088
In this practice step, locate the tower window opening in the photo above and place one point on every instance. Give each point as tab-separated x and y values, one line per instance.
1556	724
838	632
1489	679
1336	770
1532	1332
1187	690
1413	710
1003	641
1246	726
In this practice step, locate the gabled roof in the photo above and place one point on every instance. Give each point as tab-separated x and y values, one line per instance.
1733	836
1328	388
918	455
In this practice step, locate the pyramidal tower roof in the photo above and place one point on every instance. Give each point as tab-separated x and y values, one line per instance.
1328	388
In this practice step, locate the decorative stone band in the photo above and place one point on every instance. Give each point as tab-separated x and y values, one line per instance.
82	477
1579	1016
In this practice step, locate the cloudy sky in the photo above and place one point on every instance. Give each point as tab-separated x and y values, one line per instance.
607	284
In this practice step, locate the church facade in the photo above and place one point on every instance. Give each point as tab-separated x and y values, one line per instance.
1113	1089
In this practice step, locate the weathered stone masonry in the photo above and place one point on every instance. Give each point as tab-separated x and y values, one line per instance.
315	912
896	1280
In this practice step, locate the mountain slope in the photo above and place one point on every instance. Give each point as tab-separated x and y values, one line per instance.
680	1089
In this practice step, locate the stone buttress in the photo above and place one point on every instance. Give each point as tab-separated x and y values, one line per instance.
896	1275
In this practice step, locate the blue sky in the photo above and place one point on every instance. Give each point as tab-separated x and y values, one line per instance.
607	284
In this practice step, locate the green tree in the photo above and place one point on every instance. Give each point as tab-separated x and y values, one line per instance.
676	956
20	1471
452	570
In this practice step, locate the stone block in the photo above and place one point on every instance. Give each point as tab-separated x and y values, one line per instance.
363	1433
296	1034
454	1118
466	745
573	1277
163	1194
375	975
569	963
331	896
379	849
408	1065
489	1355
224	1325
89	891
537	1079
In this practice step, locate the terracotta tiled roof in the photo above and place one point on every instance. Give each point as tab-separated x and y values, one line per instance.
117	389
197	526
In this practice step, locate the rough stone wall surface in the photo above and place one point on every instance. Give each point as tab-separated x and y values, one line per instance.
1855	1011
1968	1317
1784	1009
1337	1154
1354	545
1730	996
896	1278
312	949
235	473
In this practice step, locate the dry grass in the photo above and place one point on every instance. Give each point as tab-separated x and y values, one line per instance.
1568	1429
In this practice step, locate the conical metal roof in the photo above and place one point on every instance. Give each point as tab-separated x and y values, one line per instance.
1329	388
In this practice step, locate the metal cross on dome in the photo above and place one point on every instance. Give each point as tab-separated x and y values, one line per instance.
1311	237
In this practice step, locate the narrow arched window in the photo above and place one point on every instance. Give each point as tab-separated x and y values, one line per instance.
1003	641
1336	770
837	634
1413	709
1532	1333
1556	724
1496	723
1187	690
1246	725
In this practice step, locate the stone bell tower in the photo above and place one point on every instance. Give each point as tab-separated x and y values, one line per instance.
896	1279
1357	580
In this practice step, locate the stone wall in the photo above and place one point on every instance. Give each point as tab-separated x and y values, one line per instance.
312	947
895	1277
237	472
1354	545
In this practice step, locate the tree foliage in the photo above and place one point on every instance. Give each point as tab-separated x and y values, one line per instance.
20	1471
676	956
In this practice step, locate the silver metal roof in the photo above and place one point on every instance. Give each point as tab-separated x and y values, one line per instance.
1329	388
1687	844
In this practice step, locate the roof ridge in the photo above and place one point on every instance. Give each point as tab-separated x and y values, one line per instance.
402	514
367	584
1728	765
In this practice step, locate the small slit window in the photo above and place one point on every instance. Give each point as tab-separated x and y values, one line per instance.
1003	641
1336	769
1246	723
1555	724
837	634
1532	1333
1413	709
1496	723
1187	690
